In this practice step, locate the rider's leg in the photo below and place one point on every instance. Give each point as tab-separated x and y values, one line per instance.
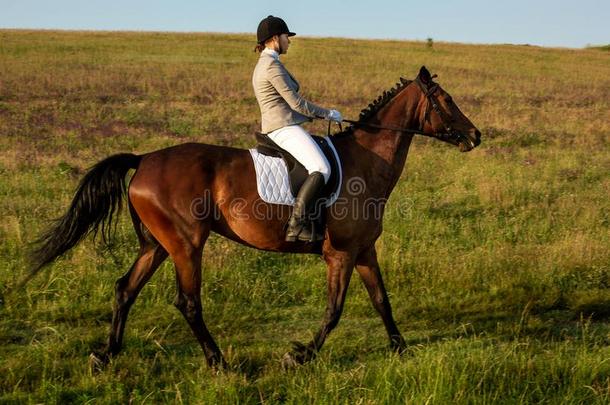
301	225
299	143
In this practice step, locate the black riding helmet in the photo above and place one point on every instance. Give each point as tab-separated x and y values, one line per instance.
271	26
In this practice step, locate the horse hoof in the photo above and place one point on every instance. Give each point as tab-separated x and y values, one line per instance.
218	365
289	362
98	361
300	354
398	345
399	349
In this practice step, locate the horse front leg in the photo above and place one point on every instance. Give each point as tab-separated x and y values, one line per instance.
368	268
340	265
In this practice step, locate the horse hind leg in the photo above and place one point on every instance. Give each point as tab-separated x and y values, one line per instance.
184	243
127	288
188	298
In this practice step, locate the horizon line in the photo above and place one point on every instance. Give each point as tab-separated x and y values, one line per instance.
387	39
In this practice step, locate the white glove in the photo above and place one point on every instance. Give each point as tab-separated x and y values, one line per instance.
334	115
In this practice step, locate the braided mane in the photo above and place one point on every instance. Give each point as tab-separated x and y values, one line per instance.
383	99
375	106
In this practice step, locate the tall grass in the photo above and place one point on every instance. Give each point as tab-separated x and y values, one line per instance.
496	261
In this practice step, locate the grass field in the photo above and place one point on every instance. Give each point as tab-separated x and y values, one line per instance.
497	261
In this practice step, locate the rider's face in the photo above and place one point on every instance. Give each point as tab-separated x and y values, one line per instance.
284	43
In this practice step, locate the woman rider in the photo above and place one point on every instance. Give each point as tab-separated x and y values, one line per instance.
282	110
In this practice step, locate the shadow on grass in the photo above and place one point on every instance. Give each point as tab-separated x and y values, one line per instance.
552	324
251	367
545	325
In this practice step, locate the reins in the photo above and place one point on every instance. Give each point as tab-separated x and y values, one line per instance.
432	103
375	126
444	136
391	128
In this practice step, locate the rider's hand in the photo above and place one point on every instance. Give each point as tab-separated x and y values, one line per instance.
334	115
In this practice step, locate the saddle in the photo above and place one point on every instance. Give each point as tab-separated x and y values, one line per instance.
296	171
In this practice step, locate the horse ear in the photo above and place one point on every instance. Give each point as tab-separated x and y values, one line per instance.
424	75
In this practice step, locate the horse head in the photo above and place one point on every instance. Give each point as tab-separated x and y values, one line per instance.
440	117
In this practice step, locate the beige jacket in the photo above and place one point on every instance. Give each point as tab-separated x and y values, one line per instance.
277	93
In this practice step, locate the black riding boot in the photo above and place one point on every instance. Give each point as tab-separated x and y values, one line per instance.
300	226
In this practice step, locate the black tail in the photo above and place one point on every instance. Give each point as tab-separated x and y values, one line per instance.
97	198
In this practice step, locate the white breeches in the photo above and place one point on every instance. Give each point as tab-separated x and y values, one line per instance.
299	144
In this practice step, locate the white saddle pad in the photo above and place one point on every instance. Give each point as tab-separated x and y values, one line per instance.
272	179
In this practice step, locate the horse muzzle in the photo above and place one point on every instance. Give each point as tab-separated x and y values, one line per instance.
468	142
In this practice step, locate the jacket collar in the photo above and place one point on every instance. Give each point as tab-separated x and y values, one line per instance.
271	52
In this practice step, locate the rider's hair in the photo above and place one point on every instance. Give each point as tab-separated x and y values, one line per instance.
261	46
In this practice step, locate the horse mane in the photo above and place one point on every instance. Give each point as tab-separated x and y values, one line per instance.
383	99
376	105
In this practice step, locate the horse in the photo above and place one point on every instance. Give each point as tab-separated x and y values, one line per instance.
179	195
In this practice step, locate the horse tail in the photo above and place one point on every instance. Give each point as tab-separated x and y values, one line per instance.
97	198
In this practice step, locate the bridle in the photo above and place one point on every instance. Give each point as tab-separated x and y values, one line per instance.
432	104
450	133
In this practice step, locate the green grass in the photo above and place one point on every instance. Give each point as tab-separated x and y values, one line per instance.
496	261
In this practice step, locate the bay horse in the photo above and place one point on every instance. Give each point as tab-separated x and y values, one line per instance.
170	187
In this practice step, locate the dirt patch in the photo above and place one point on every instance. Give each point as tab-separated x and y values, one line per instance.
500	151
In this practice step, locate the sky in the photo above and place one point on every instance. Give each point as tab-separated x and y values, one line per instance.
558	23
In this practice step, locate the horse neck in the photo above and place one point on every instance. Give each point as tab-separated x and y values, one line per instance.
388	148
